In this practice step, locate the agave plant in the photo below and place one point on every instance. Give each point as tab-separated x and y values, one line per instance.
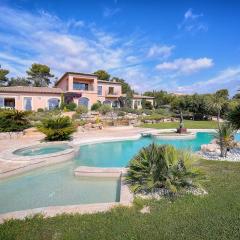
57	128
162	166
225	137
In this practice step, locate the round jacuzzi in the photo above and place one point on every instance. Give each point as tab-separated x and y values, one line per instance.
42	149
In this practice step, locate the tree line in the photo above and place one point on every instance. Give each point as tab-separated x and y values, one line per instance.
198	105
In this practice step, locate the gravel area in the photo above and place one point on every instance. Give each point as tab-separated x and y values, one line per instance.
233	155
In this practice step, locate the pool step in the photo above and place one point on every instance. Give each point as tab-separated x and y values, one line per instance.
85	171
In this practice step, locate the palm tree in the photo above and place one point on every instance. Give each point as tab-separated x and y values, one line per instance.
225	138
216	104
162	167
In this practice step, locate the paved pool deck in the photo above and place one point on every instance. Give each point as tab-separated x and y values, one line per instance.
11	168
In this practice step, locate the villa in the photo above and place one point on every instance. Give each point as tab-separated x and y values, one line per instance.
80	88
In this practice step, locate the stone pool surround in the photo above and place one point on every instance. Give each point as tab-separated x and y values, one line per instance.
126	197
33	162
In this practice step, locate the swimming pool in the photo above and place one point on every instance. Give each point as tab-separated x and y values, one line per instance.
57	185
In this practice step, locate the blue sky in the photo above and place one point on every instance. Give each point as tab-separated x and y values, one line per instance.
175	45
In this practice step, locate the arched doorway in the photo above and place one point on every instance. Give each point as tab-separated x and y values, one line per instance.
53	103
107	102
83	101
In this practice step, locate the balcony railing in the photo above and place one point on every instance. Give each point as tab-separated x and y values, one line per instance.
86	87
112	93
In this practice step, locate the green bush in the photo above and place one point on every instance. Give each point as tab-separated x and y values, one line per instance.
96	106
234	117
104	109
69	107
57	128
39	116
146	104
81	109
80	122
129	110
40	110
13	120
162	167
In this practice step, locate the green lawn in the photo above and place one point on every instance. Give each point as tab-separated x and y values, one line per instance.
187	123
214	216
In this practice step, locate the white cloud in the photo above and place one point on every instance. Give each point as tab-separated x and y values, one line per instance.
185	65
228	78
44	38
162	51
190	15
109	12
192	22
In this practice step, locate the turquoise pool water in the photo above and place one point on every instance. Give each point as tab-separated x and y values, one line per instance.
118	154
57	185
41	150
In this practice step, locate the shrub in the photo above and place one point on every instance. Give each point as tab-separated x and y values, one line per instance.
13	120
147	111
162	167
39	116
146	104
69	107
81	109
130	110
40	110
104	109
234	117
96	106
80	122
57	128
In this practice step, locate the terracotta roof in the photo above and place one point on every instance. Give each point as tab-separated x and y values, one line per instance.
139	96
28	89
74	73
109	82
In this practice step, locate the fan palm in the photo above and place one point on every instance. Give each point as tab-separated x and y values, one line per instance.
225	137
162	166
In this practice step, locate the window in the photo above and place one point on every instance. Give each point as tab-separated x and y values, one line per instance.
27	103
111	90
80	86
100	90
83	101
1	102
53	103
9	102
115	104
